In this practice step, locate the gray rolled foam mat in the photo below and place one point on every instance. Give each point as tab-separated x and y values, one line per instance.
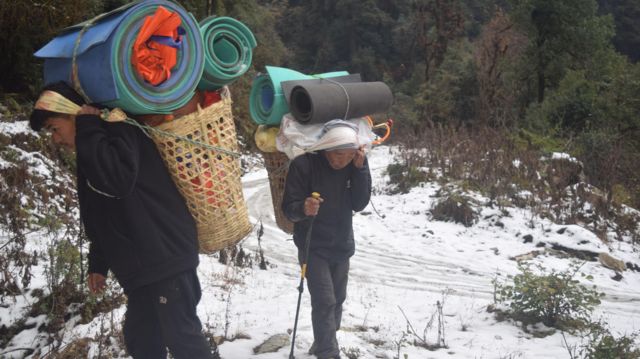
325	101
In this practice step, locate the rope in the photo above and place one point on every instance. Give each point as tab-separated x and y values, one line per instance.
75	80
146	128
346	112
382	216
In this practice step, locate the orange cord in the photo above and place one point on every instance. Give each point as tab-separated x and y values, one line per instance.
387	125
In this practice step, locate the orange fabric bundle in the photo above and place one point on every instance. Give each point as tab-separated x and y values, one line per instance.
154	60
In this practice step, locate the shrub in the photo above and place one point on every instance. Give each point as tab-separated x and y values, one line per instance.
555	299
351	352
405	177
605	346
601	344
455	208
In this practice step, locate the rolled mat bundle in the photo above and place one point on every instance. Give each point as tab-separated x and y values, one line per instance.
208	180
99	52
228	49
267	103
319	101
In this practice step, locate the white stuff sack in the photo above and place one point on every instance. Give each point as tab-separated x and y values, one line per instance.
295	138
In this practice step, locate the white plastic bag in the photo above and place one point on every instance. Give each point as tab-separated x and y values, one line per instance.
295	139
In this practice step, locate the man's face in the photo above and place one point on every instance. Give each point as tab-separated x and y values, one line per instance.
63	131
339	159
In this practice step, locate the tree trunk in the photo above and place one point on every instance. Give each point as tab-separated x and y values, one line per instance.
540	86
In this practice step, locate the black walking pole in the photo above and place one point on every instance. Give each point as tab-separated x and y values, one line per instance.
303	272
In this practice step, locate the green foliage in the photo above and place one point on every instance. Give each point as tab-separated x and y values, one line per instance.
570	108
351	30
64	265
351	352
556	299
603	345
526	139
626	14
25	26
595	108
562	35
270	51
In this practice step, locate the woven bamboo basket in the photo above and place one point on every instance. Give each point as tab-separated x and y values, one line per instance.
209	180
277	164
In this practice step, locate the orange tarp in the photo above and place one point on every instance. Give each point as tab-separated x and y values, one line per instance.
153	60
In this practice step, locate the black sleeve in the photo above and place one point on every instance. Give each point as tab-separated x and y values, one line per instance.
360	186
109	159
296	190
97	263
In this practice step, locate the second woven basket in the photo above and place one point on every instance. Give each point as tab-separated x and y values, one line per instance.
277	165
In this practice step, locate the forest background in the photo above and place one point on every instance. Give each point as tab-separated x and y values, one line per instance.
544	75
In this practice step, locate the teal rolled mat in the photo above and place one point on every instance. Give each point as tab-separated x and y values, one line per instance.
267	103
228	49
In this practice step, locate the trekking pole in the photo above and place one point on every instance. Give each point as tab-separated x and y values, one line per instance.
303	272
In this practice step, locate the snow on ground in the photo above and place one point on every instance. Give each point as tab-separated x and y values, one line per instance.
13	128
404	261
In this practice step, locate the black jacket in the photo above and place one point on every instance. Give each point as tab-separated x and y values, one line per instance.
135	218
344	191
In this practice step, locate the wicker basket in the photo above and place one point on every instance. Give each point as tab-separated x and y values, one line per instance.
208	180
277	164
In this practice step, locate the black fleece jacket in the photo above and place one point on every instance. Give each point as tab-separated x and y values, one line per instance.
344	191
137	221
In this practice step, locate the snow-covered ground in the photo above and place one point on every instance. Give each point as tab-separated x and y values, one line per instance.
404	261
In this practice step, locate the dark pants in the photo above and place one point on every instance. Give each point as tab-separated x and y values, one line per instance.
327	284
163	315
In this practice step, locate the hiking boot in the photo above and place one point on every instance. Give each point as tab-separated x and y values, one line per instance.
216	353
312	349
335	357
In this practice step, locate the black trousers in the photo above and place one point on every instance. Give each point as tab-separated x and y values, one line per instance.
327	284
163	315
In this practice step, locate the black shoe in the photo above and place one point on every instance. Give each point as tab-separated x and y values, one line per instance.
216	353
312	349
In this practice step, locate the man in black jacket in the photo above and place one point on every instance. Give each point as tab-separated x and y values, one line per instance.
138	225
340	173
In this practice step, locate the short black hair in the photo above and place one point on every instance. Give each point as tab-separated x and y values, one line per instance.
39	117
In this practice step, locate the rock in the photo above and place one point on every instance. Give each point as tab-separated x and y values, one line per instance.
528	238
500	224
525	256
578	253
611	262
540	244
634	267
273	344
561	230
617	277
